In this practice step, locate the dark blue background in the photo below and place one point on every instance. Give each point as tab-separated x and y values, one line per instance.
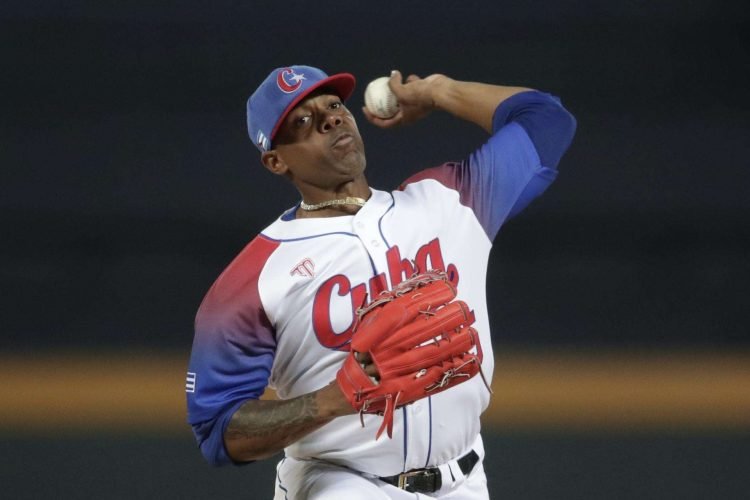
519	467
128	181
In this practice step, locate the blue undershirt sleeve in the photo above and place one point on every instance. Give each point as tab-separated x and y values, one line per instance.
548	124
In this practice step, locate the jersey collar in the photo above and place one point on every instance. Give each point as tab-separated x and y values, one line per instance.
287	227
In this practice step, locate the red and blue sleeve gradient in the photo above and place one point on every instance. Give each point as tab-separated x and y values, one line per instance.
531	131
233	350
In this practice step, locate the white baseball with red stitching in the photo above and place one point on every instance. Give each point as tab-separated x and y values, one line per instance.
380	99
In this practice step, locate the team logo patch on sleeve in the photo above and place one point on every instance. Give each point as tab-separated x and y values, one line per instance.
190	382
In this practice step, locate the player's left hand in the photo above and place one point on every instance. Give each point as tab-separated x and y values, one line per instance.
415	98
410	343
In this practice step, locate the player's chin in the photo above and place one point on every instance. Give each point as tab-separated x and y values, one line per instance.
351	159
350	172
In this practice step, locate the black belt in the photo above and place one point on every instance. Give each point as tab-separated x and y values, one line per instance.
429	480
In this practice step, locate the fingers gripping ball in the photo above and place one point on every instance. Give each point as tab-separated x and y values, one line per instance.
419	339
380	99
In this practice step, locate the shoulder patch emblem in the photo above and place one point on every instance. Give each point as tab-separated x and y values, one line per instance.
306	267
190	382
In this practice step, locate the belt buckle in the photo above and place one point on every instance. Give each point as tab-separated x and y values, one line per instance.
403	478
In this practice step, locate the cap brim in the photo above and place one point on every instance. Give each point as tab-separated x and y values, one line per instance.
341	83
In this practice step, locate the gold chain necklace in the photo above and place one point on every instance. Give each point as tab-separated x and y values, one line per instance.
349	200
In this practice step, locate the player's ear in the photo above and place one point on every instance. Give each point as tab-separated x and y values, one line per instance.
273	162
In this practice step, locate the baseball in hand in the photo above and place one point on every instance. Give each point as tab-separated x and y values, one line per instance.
380	99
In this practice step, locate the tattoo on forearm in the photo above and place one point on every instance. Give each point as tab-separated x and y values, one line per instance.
259	419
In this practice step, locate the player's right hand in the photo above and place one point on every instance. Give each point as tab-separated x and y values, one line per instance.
415	99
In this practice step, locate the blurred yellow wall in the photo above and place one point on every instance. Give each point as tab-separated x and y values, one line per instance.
533	390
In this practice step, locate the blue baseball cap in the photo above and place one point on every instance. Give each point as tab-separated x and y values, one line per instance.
281	91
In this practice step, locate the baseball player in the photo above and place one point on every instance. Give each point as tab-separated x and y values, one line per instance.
284	313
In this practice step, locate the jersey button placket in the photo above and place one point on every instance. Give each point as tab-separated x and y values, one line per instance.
417	435
366	228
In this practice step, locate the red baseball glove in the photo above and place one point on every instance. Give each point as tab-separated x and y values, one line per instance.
419	338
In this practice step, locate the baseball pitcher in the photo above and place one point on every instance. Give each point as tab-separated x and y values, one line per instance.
365	310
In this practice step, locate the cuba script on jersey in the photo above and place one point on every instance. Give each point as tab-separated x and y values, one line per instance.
281	315
339	288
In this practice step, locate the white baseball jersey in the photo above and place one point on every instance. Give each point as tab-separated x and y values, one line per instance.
282	313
